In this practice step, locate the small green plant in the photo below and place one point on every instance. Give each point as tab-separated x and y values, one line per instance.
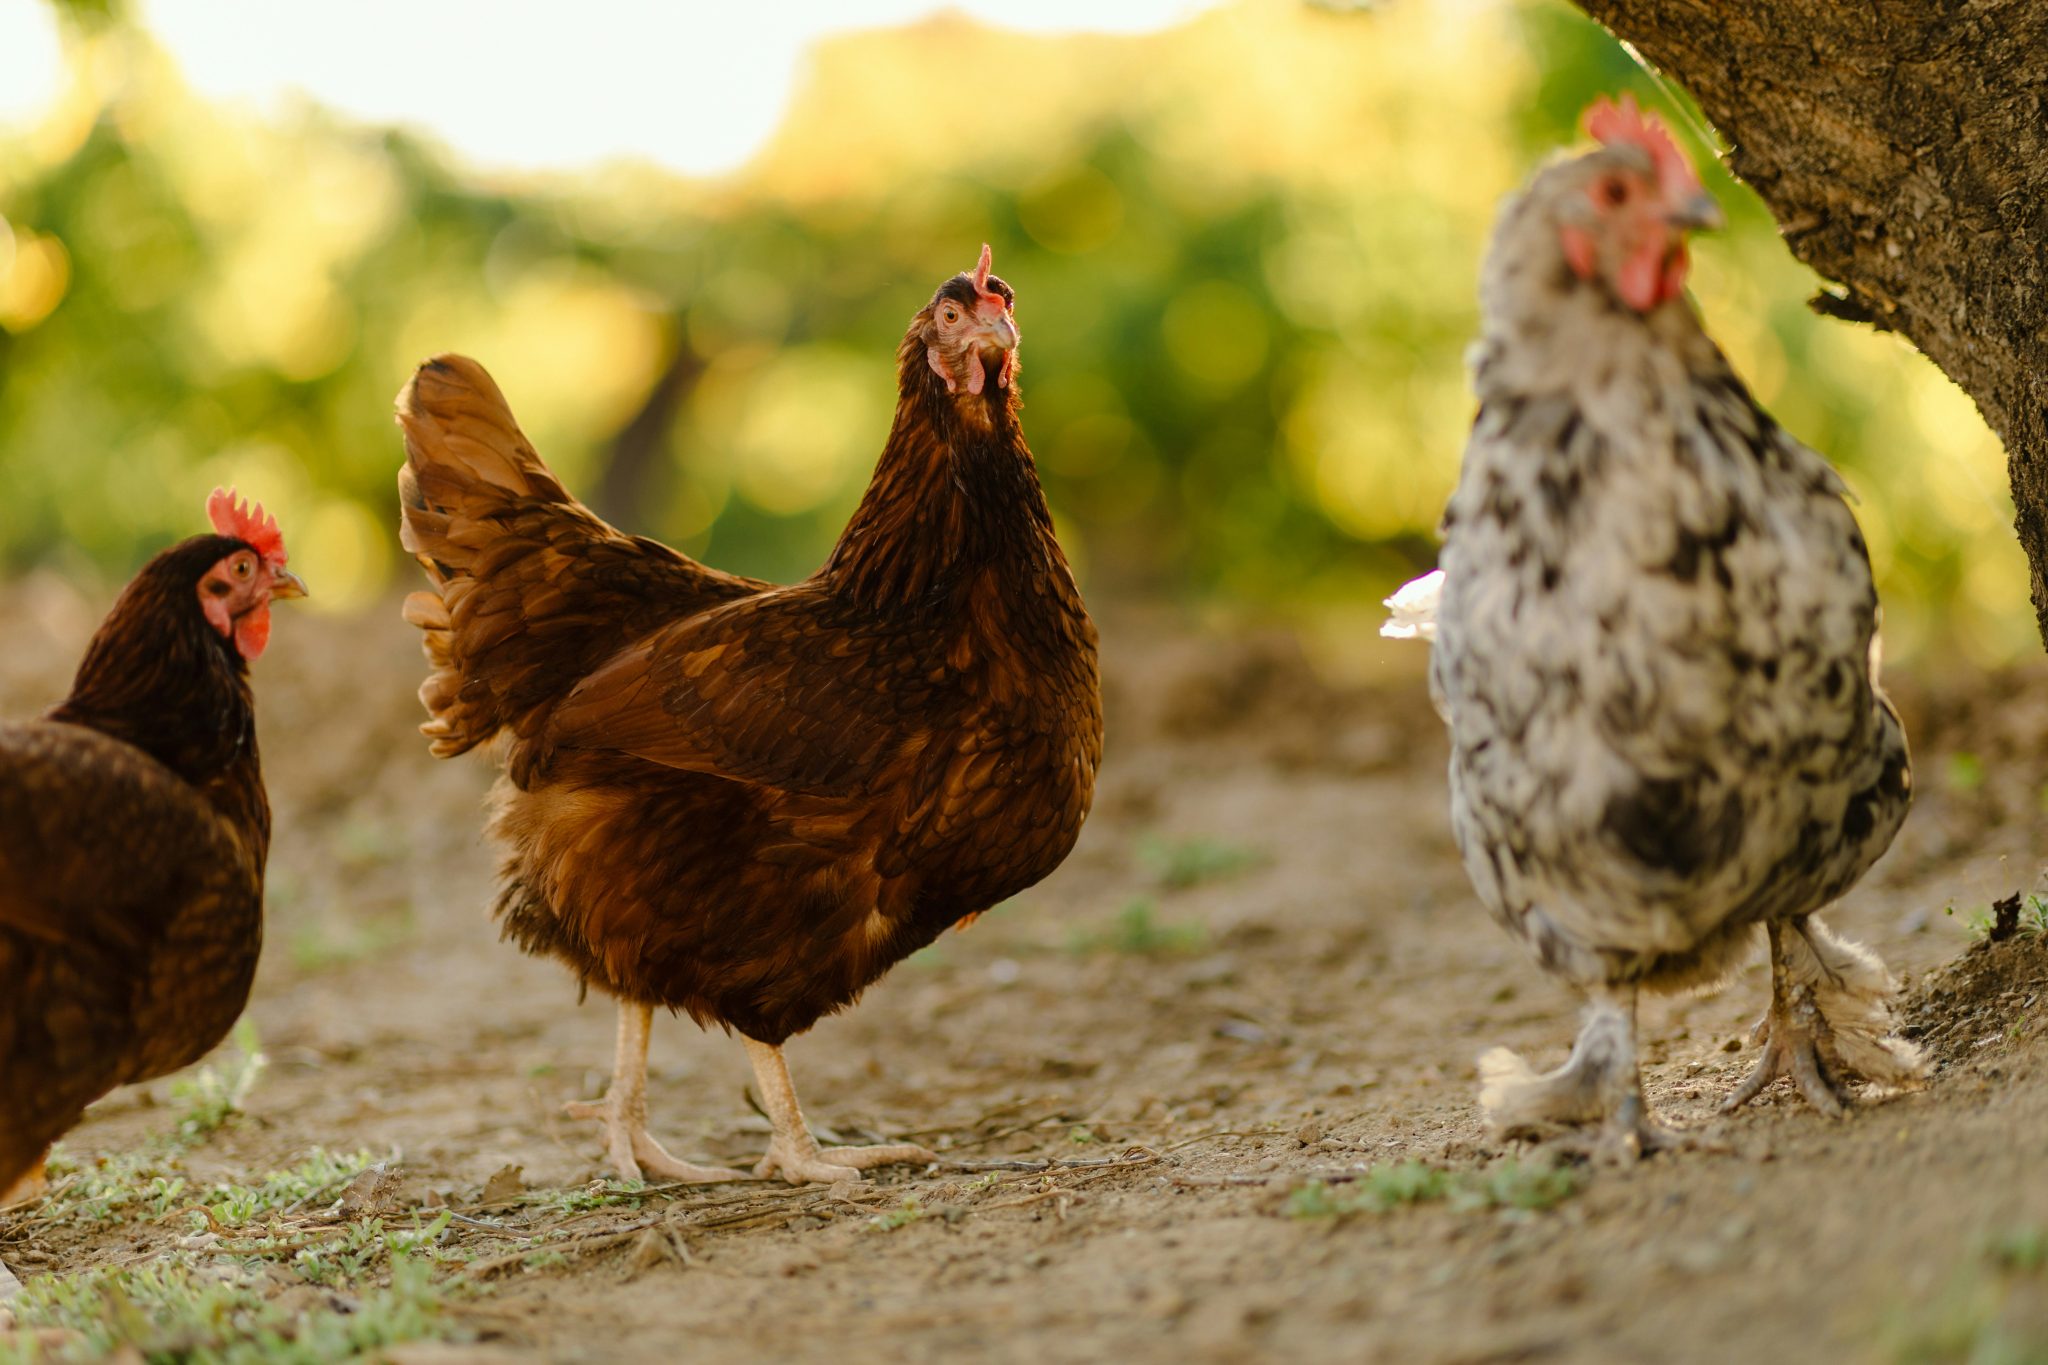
1138	931
2023	1248
214	1093
148	1185
1512	1185
317	1179
598	1194
1987	1313
1508	1185
1081	1134
1180	863
172	1312
141	1183
903	1215
2034	918
1965	771
2014	915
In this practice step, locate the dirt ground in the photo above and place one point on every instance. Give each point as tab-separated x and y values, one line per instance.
1312	1009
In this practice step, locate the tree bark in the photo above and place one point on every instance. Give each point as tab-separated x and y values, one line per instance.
1903	147
632	477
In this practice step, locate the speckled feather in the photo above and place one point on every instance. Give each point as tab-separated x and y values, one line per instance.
742	801
1655	645
133	834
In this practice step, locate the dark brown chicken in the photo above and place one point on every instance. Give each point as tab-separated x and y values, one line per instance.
748	802
133	832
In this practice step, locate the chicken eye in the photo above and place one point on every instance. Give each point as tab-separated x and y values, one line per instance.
950	314
243	568
1613	191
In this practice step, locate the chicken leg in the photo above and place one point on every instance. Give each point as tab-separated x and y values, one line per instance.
32	1185
1600	1082
793	1151
623	1110
1796	1041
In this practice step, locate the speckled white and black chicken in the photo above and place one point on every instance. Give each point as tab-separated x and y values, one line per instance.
1655	645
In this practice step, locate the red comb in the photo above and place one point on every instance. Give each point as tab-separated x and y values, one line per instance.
246	521
981	269
1610	123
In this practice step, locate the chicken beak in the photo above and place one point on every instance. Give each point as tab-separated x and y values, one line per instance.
286	584
999	332
1697	214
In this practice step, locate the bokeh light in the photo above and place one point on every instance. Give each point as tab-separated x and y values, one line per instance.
1245	243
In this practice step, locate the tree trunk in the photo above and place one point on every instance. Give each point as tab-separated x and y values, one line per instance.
631	482
1903	147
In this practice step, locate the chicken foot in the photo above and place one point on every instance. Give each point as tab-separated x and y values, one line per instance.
793	1152
623	1110
1796	1042
1601	1082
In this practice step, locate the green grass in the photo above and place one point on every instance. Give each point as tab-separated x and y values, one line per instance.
598	1194
315	1181
148	1182
1137	930
1990	1312
217	1298
2033	918
902	1216
212	1301
214	1094
1508	1185
173	1312
1179	863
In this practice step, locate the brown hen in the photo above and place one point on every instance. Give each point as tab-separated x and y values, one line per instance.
742	801
133	833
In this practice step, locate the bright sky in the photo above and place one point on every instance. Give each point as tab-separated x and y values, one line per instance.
696	85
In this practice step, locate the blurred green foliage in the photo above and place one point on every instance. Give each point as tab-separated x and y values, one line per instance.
1245	252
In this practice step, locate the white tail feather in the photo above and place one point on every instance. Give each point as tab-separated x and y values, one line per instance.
1854	993
1414	606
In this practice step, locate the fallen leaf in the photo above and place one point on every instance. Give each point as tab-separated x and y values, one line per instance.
505	1185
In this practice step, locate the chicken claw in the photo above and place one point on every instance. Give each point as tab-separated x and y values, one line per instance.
810	1163
1627	1136
1797	1042
633	1151
793	1152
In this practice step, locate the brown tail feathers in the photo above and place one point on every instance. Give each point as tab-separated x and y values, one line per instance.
530	589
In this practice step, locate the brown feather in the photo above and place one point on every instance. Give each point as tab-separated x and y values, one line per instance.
133	834
744	801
